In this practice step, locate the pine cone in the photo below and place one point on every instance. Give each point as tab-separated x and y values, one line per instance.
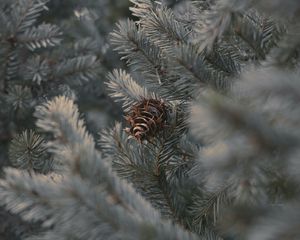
146	119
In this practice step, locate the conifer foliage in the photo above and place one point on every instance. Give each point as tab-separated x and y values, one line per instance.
46	52
210	145
37	62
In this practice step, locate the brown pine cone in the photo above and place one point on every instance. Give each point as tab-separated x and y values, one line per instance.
146	119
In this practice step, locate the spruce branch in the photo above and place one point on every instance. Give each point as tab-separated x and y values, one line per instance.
164	30
20	98
77	70
148	167
142	7
26	12
44	35
86	46
36	70
28	151
124	89
61	117
193	66
161	26
206	208
27	194
139	52
10	63
259	33
138	169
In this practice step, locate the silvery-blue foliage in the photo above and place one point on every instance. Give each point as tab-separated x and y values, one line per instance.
226	163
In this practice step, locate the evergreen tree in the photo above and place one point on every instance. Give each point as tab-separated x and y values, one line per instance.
33	66
45	52
209	148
